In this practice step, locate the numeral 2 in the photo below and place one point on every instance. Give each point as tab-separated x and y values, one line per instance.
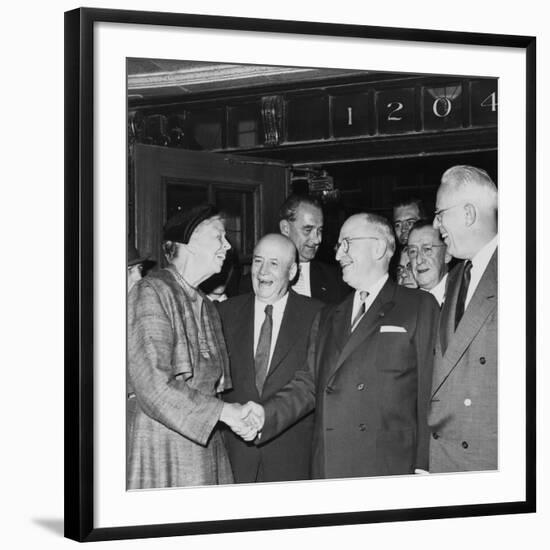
398	107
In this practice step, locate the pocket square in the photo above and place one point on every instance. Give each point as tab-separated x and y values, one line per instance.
392	328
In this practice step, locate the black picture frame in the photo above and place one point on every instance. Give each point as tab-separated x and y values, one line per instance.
79	269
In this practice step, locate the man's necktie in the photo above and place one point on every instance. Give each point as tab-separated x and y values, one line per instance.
363	295
462	293
261	358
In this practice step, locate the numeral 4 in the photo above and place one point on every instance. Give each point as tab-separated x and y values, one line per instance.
490	101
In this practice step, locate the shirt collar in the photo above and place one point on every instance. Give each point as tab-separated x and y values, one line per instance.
278	306
438	291
482	258
374	289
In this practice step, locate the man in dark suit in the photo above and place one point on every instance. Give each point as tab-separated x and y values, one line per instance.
369	367
301	220
463	408
266	334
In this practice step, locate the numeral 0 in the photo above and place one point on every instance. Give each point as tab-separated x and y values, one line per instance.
447	106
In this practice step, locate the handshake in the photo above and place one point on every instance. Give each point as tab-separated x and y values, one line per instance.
245	420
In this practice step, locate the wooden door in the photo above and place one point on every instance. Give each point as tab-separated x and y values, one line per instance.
248	190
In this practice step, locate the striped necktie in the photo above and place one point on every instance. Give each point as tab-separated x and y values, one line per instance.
363	295
261	358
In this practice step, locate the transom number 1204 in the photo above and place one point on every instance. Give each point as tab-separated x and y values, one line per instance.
441	107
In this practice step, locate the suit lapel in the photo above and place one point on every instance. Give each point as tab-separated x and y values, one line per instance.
369	324
482	304
333	341
315	279
286	338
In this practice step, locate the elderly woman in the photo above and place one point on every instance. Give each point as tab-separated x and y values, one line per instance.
177	363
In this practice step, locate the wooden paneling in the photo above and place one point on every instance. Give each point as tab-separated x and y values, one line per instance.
155	167
333	117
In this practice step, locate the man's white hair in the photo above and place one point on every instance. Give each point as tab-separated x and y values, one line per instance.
382	226
473	183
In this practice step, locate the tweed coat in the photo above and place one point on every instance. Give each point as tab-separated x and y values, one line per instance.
370	387
463	408
175	372
288	456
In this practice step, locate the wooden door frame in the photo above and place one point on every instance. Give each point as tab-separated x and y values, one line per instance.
154	166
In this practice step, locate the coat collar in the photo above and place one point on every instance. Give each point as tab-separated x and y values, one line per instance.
286	338
369	324
316	282
482	304
287	333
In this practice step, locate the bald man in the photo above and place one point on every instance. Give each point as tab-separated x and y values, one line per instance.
369	367
463	408
266	333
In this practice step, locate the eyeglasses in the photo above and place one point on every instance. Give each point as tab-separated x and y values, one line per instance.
427	250
344	243
439	213
403	270
404	224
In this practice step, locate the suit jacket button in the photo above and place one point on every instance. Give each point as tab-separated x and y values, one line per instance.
464	444
482	360
467	402
435	435
360	387
363	427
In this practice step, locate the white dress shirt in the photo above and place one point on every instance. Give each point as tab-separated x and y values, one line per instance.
303	284
438	290
479	263
277	316
373	291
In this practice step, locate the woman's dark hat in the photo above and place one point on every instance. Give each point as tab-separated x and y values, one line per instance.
180	227
133	255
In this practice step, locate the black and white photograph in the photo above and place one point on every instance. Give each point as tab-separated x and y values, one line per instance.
300	274
274	275
312	273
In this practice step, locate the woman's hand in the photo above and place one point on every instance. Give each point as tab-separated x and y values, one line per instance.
245	420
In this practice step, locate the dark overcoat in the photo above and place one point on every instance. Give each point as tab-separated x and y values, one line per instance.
371	388
286	457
